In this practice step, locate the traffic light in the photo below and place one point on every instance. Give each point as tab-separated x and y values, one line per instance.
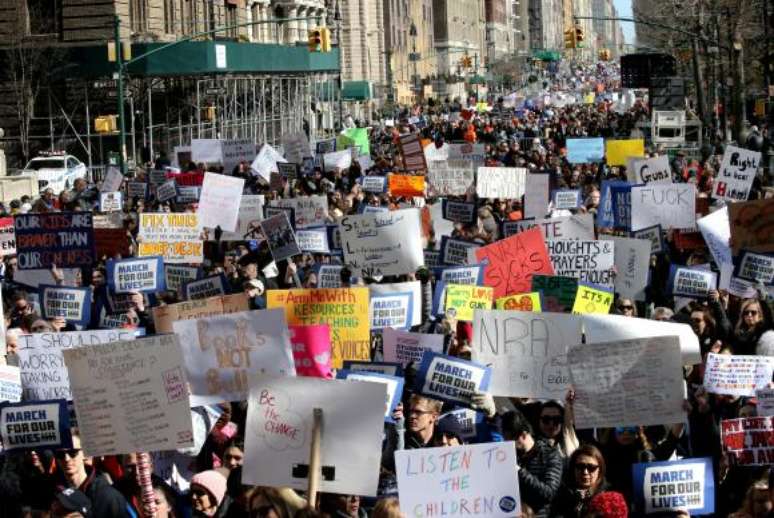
315	40
569	39
209	113
578	35
325	46
105	124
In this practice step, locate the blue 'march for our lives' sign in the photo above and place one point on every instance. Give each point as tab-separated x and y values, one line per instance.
686	484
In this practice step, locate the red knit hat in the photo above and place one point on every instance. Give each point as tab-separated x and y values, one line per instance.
609	504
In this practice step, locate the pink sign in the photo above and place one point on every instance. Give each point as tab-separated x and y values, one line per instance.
312	350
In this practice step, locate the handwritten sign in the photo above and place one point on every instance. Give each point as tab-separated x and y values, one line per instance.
113	180
450	177
65	239
755	267
589	261
142	275
627	383
311	350
750	226
72	304
668	205
266	161
472	479
130	396
691	282
216	203
737	375
309	211
404	348
651	170
7	237
173	236
558	292
748	441
531	301
632	261
564	199
736	174
617	151
585	150
279	433
591	299
580	226
451	379
685	485
165	316
35	426
462	300
212	286
407	185
501	182
222	352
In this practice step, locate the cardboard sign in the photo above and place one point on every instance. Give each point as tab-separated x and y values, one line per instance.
10	384
513	261
382	243
313	240
750	223
668	205
588	261
404	348
165	316
141	275
632	263
462	300
7	237
755	267
280	236
456	251
279	432
248	219
393	384
374	184
450	177
43	371
72	304
536	195
501	182
737	172
266	161
585	150
65	239
654	235
177	275
737	375
565	199
691	282
580	226
651	170
480	479
172	235
528	350
451	379
111	201
591	299
345	310
223	352
309	211
216	203
617	151
407	185
627	383
311	350
460	212
212	286
130	396
397	305
532	301
35	426
748	441
685	485
558	292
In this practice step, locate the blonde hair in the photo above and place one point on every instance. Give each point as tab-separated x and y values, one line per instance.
387	508
434	404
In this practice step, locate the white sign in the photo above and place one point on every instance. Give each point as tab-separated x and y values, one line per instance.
220	56
207	151
337	160
248	219
279	433
223	352
10	384
110	201
166	191
313	240
216	203
668	205
692	282
736	174
266	162
716	230
650	170
501	182
765	406
580	226
588	261
408	308
476	153
632	261
450	177
404	348
236	151
382	243
310	211
112	181
737	374
296	147
130	396
536	195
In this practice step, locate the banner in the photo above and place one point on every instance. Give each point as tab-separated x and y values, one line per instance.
111	201
580	226
585	150
691	282
748	441
35	426
501	182
566	199
511	262
462	300
459	211
375	184
737	172
451	379
174	236
609	377
177	275
738	374
43	371
396	305
536	195
558	292
450	177
212	286
456	251
216	203
223	352
280	237
393	384
649	170
668	205
755	267
165	316
750	222
406	185
404	348
674	485
131	396
654	235
632	263
279	433
266	161
617	151
532	301
311	350
591	299
309	211
7	237
143	275
313	240
382	243
588	261
72	304
345	310
65	239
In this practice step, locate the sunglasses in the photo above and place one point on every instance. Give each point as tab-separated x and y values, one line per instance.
548	419
72	453
626	308
751	312
591	468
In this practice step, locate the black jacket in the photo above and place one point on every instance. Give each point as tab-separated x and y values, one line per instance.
571	503
540	476
106	501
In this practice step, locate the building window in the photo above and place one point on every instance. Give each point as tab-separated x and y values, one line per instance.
138	15
169	16
231	20
44	17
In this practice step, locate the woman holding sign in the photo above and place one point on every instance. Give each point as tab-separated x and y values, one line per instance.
585	478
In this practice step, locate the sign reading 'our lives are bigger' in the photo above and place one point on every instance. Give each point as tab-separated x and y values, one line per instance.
65	239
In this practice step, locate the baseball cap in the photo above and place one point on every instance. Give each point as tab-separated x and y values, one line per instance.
74	501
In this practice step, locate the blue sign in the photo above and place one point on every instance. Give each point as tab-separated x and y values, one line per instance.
686	484
585	150
622	205
394	387
39	425
472	274
211	286
455	251
136	275
605	211
392	310
65	239
459	211
566	198
72	304
451	379
388	368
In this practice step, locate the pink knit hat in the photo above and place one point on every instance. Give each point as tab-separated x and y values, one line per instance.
213	482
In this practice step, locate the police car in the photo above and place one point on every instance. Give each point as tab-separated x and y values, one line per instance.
56	171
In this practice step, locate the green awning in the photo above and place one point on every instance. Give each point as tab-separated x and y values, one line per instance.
547	55
477	80
357	91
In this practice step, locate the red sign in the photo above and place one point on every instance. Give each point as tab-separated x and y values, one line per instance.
748	441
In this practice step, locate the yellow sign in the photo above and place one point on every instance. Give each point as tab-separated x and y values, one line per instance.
589	98
174	236
617	151
463	299
591	299
345	310
407	185
521	302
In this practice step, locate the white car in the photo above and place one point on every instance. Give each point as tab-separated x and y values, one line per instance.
56	171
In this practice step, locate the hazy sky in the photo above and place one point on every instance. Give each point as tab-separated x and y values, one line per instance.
624	8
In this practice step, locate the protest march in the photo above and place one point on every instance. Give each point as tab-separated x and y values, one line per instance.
473	306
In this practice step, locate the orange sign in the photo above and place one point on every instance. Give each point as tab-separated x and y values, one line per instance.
407	185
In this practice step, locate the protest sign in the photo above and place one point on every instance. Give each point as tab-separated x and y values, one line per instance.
72	304
635	382
35	426
166	191
172	235
536	193
406	185
690	282
632	260
617	151
345	310
110	201
532	301
621	194
472	423
472	274
340	160
356	137
501	182
141	275
157	176
467	151
750	226
654	236
395	305
112	181
295	146
558	292
748	441
279	433
605	213
755	267
164	316
130	396
580	226
325	146
459	211
450	177
382	243
266	161
188	193
738	374
65	239
472	479
411	150
268	212
511	262
136	190
374	184
311	350
737	172
462	300
248	219
10	384
589	261
328	275
563	199
313	240
7	237
591	298
456	251
236	151
177	275
223	352
765	405
43	371
393	384
280	236
585	150
308	211
674	485
404	348
650	170
451	379
276	183
668	205
528	349
211	286
216	203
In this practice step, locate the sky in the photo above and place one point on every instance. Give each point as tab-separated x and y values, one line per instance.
624	8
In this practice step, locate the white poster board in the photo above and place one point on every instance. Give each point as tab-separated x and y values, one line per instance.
669	205
217	207
536	195
310	211
579	226
296	146
587	261
265	162
736	174
649	170
248	219
738	374
632	261
501	182
404	348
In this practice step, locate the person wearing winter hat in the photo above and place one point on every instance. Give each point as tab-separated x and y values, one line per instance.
448	432
207	491
71	503
608	504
